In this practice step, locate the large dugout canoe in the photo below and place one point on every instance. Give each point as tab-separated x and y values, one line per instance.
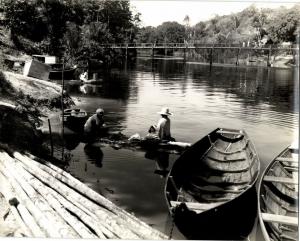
278	197
210	190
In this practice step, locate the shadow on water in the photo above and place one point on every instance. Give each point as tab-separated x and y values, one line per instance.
94	154
161	161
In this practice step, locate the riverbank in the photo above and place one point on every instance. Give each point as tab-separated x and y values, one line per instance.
23	101
276	61
24	104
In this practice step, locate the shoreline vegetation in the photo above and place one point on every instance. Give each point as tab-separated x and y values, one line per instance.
75	32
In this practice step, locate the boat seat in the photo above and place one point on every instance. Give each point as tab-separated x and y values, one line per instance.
268	217
229	132
197	206
287	159
292	169
280	179
288	237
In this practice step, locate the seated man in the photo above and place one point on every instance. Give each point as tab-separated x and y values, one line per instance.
164	125
93	125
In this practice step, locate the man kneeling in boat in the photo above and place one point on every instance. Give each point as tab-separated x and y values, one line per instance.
93	125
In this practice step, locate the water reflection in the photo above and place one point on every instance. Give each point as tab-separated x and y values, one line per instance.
263	101
71	141
94	154
90	89
161	161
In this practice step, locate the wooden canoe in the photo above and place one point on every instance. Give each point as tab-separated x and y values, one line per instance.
210	190
74	119
278	197
58	74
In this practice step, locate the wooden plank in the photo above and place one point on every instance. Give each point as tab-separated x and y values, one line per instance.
268	217
229	132
197	206
280	179
287	159
292	169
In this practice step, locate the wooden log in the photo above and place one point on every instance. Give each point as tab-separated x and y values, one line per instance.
75	223
125	218
111	221
36	213
10	197
76	229
136	225
101	231
60	226
30	222
68	205
90	219
25	230
26	216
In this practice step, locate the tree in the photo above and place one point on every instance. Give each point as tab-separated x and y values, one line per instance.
284	25
199	31
259	21
147	35
171	32
24	19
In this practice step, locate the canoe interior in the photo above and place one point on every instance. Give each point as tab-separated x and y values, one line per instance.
67	74
75	119
278	197
212	179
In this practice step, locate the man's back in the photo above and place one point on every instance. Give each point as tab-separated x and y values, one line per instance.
93	123
164	126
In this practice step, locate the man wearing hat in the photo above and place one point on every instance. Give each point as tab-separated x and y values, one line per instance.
164	125
93	124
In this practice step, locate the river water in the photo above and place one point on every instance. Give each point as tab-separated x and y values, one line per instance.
262	101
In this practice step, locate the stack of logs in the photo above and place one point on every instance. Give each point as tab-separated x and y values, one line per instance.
48	202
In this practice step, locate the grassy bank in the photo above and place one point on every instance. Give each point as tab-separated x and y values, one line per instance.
24	101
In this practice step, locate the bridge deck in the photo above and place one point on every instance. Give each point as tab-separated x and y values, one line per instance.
196	46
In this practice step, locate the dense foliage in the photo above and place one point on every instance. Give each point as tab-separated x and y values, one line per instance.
251	25
72	28
76	29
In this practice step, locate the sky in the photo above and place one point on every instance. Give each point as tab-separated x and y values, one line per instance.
154	13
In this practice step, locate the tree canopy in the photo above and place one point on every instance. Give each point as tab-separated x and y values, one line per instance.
249	25
71	26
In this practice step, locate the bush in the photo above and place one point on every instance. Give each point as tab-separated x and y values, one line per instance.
5	86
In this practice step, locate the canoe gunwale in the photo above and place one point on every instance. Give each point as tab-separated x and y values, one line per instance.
265	233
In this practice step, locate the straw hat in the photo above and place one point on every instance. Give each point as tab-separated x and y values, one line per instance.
165	111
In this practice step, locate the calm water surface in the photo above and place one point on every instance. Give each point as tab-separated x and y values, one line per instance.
263	101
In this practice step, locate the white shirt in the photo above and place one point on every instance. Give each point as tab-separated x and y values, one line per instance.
163	127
